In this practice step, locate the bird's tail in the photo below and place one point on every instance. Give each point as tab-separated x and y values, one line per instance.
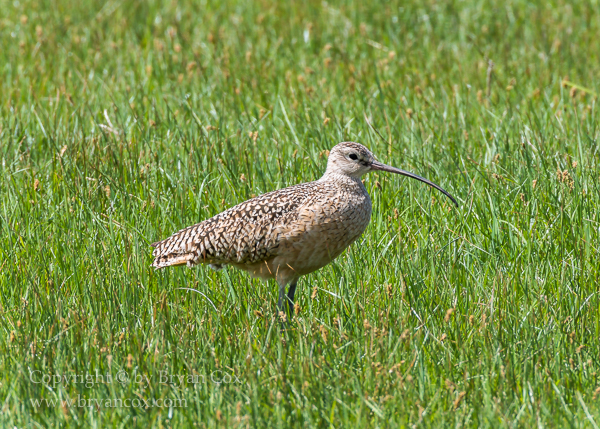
172	260
173	251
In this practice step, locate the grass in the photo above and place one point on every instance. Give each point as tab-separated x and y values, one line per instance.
122	122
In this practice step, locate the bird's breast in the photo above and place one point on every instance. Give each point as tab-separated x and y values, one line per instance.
323	230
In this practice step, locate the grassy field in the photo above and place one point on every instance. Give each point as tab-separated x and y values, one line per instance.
122	122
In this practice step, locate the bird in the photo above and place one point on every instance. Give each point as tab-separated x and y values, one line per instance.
289	232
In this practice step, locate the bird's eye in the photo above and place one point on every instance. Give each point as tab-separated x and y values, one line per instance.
353	156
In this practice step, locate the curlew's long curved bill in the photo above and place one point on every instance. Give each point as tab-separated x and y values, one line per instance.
379	166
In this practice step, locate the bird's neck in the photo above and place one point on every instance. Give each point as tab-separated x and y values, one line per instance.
343	179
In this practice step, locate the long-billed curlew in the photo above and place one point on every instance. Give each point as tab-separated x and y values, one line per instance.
286	233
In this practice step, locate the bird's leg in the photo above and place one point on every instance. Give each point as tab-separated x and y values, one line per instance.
281	296
290	296
284	320
283	315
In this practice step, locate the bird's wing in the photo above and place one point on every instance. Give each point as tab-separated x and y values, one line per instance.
246	233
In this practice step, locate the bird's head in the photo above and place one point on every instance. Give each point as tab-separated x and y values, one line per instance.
351	159
354	160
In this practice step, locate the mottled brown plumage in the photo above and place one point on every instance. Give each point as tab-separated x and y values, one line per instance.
286	233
